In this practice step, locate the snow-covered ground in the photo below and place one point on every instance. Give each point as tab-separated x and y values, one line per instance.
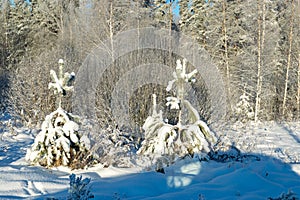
276	172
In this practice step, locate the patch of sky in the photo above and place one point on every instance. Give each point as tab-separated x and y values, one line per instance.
12	2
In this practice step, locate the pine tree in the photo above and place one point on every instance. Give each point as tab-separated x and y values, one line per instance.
225	38
278	77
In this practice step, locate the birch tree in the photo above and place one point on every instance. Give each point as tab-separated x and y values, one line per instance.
297	20
290	41
226	57
258	56
260	47
225	38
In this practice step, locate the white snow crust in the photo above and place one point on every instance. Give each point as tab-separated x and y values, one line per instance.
278	171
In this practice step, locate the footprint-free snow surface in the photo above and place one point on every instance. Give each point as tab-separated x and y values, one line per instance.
276	171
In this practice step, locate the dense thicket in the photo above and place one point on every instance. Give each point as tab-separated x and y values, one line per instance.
255	44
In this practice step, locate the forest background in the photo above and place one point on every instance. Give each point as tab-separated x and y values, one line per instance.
254	44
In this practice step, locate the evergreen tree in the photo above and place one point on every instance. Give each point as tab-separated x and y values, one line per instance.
59	142
164	143
244	109
163	12
258	55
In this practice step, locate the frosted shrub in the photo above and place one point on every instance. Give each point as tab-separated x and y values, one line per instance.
79	189
59	141
164	142
114	148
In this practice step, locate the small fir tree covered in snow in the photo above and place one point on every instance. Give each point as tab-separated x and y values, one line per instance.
243	109
165	142
59	141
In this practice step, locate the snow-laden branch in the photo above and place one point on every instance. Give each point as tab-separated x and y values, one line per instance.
62	83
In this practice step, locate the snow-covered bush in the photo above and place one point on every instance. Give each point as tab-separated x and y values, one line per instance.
225	151
243	109
112	147
59	141
79	189
164	142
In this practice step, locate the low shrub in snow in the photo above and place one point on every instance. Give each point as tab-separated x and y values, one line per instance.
201	197
113	147
286	196
164	143
225	151
59	141
79	189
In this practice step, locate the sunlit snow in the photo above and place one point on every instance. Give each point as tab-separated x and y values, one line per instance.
277	171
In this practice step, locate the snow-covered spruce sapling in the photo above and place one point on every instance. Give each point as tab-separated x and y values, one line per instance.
164	142
79	189
243	109
59	141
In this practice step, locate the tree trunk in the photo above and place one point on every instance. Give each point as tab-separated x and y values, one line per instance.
260	35
288	61
226	52
298	94
111	30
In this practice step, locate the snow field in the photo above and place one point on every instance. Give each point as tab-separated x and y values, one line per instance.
276	172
